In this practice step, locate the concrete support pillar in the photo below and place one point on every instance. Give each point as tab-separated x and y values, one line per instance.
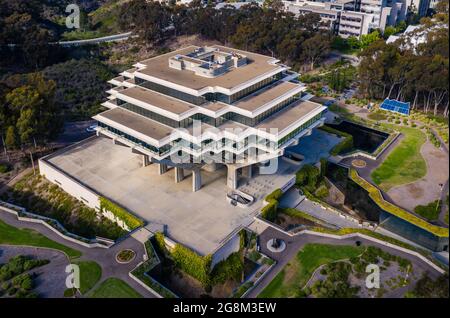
196	180
115	141
162	168
145	160
179	174
232	177
247	171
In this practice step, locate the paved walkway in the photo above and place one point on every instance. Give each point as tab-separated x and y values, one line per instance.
104	257
294	244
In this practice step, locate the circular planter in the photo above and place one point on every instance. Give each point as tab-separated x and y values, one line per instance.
125	256
358	163
276	246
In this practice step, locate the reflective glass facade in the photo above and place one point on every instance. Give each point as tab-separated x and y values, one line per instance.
196	100
160	151
299	129
248	121
199	100
413	232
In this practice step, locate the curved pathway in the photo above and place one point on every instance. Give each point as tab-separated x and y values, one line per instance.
106	258
295	243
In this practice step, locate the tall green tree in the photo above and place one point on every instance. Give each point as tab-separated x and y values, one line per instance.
316	48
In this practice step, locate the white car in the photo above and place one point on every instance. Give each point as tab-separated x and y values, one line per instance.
91	128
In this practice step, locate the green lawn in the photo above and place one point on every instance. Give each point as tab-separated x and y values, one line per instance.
300	268
14	236
114	288
90	274
404	164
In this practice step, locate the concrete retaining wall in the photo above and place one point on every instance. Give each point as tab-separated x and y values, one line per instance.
76	189
69	185
230	247
62	235
359	235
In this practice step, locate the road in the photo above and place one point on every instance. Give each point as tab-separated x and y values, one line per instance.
106	258
294	244
75	131
109	38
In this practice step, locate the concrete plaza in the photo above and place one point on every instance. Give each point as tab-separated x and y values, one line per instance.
201	220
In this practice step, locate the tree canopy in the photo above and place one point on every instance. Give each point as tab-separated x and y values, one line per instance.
408	72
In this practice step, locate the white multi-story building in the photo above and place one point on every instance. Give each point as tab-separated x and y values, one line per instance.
198	105
358	17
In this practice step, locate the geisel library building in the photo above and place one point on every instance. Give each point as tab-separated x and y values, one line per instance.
198	125
199	107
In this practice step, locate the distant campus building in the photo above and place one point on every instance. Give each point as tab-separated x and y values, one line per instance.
359	17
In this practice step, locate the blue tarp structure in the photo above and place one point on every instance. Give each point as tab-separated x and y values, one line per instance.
395	106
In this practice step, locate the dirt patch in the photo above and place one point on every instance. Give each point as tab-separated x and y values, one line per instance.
414	190
427	189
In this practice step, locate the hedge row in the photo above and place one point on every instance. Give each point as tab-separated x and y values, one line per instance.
342	147
269	212
199	267
232	267
130	220
292	212
193	264
187	260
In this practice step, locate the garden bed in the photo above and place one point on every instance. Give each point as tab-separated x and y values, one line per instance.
36	194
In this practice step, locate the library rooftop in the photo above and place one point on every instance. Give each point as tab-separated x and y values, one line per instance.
215	115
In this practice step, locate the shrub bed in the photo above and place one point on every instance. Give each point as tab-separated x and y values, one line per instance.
343	146
4	168
39	196
430	211
269	212
130	220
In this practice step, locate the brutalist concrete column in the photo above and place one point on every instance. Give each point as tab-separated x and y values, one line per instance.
145	160
179	174
232	177
162	168
247	171
196	180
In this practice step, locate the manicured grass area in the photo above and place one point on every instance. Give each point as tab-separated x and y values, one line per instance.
90	274
299	269
405	163
377	116
14	236
114	288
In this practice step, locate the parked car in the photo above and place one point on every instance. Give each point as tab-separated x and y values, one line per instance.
91	128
